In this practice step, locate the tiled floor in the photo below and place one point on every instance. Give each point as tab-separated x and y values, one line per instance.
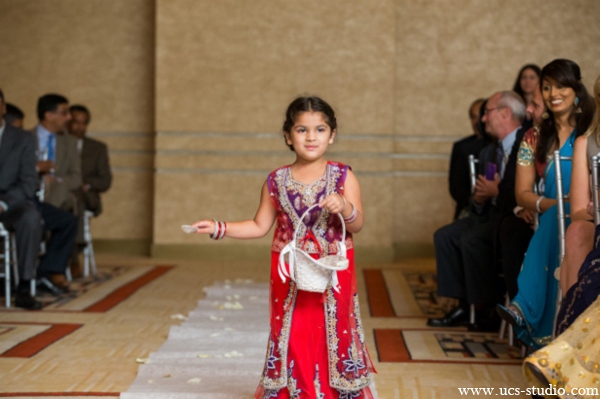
100	356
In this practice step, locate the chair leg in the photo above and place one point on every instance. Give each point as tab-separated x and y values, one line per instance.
524	351
89	263
86	260
7	266
33	287
504	323
92	259
511	336
472	314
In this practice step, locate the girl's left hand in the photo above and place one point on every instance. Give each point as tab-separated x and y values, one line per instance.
334	203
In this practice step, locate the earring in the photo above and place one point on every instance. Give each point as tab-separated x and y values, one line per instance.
578	109
545	115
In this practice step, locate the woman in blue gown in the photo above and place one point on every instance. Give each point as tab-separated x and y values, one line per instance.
568	107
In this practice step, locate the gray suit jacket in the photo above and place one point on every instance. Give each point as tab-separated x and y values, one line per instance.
95	169
67	173
18	178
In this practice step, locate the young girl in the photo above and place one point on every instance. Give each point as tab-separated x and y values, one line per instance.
316	345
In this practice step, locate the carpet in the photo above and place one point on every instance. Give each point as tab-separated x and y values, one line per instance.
395	293
24	340
101	292
443	346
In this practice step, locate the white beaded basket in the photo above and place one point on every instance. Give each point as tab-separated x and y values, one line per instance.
308	273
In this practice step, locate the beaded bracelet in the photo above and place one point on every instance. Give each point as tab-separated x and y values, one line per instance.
220	230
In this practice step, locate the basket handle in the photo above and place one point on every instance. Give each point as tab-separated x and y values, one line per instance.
342	241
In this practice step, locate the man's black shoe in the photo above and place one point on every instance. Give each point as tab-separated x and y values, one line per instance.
26	301
456	317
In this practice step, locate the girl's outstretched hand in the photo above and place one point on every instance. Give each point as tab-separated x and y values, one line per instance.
205	226
334	203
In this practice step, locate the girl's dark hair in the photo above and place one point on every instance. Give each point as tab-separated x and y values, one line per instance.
307	104
567	74
517	86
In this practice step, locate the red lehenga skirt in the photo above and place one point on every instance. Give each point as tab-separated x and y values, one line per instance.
308	354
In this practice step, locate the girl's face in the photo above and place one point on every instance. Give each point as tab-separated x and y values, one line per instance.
557	98
529	81
310	136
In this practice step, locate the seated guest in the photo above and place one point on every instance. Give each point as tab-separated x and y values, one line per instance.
14	116
460	182
582	283
569	113
60	173
62	168
516	229
527	81
95	167
466	267
579	237
571	360
95	170
18	212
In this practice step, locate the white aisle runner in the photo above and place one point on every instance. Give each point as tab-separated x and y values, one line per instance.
218	352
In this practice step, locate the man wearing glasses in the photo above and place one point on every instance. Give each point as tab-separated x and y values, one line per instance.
467	267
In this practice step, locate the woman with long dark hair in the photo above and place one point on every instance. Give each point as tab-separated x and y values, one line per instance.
569	113
527	81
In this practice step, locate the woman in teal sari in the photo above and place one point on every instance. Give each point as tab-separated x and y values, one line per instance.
567	103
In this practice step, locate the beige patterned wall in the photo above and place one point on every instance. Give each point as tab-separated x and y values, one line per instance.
99	53
400	74
213	79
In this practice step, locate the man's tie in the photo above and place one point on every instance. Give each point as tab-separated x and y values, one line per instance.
51	141
500	159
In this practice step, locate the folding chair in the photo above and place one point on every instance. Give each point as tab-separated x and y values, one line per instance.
473	178
473	171
562	218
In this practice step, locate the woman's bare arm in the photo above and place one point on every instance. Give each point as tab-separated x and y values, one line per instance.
526	197
580	181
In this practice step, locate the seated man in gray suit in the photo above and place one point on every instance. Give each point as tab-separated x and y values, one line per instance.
18	212
14	116
95	171
60	170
